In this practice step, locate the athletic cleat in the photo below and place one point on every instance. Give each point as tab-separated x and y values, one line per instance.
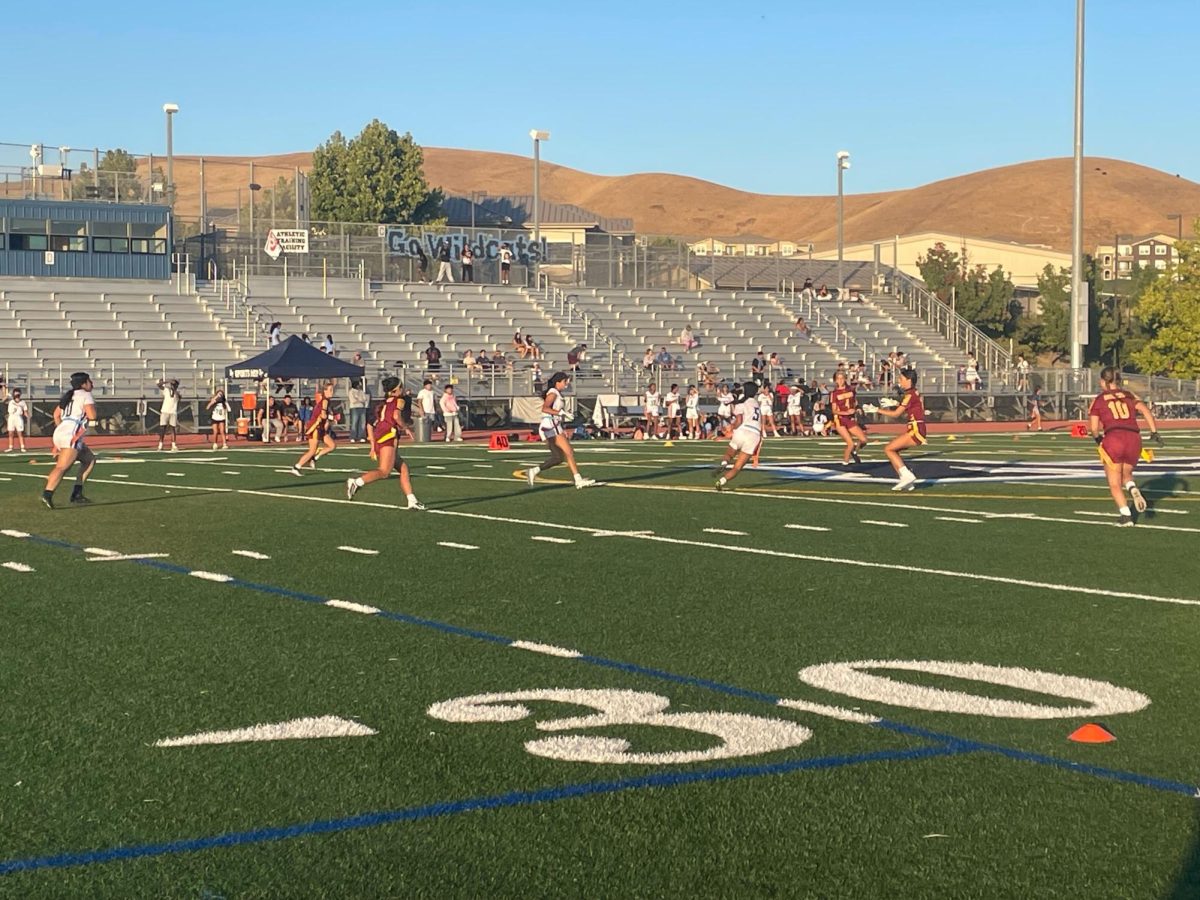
351	488
48	500
296	471
906	483
1125	522
80	499
160	445
585	482
721	484
1139	502
854	456
530	477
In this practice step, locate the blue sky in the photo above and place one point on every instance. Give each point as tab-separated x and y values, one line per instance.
758	96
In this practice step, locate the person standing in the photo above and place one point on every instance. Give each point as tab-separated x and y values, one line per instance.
506	258
168	414
1112	421
320	440
422	265
449	406
747	435
671	400
219	407
692	414
433	357
385	433
650	409
426	407
445	270
917	434
551	430
1022	373
18	413
844	400
357	403
1035	410
467	260
75	412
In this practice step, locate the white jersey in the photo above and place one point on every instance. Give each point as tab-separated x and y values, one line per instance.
725	405
693	406
767	405
170	402
794	403
650	402
219	412
18	412
672	400
71	430
751	413
552	422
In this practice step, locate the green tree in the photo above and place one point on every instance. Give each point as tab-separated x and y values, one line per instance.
116	178
375	177
1055	317
275	204
1169	308
985	299
939	270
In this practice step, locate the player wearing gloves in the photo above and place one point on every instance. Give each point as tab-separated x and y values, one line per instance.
844	400
1113	423
552	433
911	406
385	433
747	434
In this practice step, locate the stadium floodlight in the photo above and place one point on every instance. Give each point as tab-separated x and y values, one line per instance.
170	109
843	163
538	137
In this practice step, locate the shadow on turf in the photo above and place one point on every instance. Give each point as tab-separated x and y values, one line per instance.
1187	880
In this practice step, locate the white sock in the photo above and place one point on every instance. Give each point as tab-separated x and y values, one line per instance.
1124	510
412	498
905	472
1130	485
723	480
358	482
578	477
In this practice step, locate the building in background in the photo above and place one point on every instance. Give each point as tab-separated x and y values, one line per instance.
1150	251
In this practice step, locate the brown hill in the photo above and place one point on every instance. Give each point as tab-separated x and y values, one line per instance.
1028	202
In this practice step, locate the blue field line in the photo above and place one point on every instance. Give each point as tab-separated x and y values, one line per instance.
966	744
456	807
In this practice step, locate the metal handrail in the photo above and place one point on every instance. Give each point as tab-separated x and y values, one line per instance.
966	336
841	331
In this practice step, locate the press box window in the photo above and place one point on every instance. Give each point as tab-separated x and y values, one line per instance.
148	245
148	237
68	237
110	245
28	234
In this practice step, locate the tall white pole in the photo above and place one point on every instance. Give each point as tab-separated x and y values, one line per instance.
1079	300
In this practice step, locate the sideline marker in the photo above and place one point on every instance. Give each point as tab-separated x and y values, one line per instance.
1091	733
1079	430
498	441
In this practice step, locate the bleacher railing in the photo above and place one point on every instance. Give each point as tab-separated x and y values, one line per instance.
845	337
967	337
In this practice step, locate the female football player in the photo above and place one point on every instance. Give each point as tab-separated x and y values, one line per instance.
1112	420
916	434
74	413
317	430
844	400
385	432
747	434
551	430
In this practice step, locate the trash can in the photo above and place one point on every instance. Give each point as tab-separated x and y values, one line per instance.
421	429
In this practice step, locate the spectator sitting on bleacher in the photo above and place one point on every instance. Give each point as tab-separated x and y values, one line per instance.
823	294
807	292
648	359
329	347
802	328
518	343
775	368
500	361
664	360
276	334
292	419
687	340
532	347
468	361
706	374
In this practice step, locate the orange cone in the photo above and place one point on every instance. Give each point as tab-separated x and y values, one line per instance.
1091	733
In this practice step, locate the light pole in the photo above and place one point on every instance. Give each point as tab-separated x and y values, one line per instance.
538	137
843	163
1079	300
1178	217
170	109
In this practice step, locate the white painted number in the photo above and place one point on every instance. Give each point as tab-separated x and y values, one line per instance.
854	679
740	734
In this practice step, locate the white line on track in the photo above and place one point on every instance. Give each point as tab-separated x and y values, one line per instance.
17	567
364	551
885	524
551	540
455	546
805	527
725	531
957	519
250	554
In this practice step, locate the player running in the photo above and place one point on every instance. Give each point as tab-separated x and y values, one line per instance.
552	433
916	436
1112	421
74	413
844	400
385	433
747	434
320	441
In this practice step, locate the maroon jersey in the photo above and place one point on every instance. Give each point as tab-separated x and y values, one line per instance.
387	426
843	401
320	413
915	408
1116	409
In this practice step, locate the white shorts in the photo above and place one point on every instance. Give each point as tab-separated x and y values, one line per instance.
171	420
67	435
725	412
745	441
651	411
693	413
17	423
549	428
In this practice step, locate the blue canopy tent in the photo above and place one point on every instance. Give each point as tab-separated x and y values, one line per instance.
293	358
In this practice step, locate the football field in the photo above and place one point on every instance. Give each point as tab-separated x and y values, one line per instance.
224	681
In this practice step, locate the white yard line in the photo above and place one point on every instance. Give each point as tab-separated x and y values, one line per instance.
957	519
547	649
250	554
456	546
883	523
551	540
17	567
120	557
210	576
363	551
353	607
728	531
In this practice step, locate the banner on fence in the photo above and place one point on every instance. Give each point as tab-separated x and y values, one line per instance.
286	240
